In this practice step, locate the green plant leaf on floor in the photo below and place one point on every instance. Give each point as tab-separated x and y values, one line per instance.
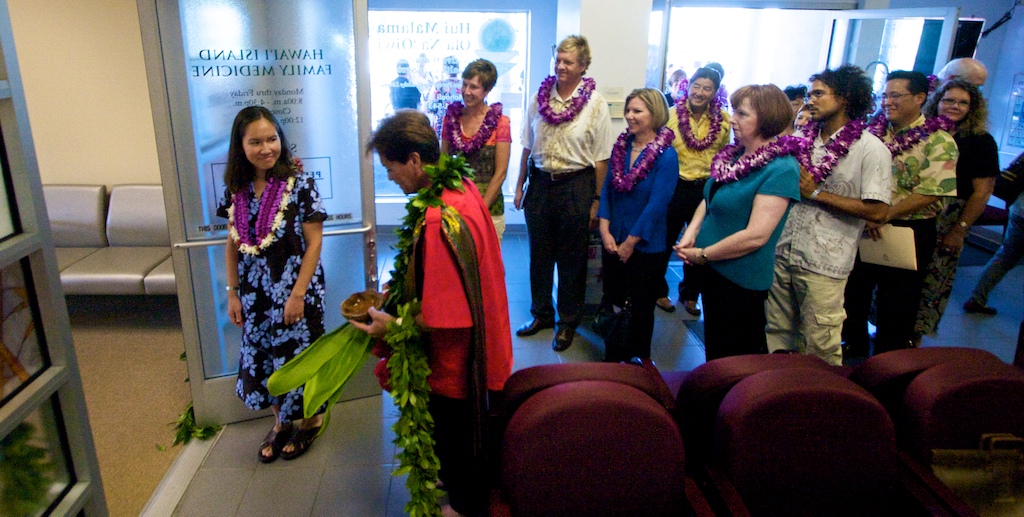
185	429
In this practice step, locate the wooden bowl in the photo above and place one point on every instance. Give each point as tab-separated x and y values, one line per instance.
357	306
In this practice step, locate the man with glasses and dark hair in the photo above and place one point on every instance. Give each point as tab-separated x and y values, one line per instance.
850	181
924	160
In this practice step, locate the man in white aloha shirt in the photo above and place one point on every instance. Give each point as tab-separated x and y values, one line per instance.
815	254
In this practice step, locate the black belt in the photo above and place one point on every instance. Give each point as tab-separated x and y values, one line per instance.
559	176
697	182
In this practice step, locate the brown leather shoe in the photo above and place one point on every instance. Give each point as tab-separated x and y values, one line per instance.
563	339
665	304
534	326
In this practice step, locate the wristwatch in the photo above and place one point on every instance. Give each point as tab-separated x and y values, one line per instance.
963	224
703	256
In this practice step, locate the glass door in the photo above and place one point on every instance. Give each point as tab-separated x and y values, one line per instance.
786	46
301	60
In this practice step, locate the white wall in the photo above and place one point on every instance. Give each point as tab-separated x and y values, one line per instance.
85	85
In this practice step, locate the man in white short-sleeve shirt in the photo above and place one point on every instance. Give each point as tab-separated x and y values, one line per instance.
818	245
567	140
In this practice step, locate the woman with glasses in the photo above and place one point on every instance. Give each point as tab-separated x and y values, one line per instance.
976	172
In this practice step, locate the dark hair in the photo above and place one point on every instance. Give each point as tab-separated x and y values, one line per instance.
708	73
239	170
795	92
774	114
851	84
407	131
976	118
916	81
483	69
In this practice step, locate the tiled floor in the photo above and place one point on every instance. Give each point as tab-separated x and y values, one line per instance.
347	472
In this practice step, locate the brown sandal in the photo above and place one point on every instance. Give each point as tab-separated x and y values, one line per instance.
301	440
275	440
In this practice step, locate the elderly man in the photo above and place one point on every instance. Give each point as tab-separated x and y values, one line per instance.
968	69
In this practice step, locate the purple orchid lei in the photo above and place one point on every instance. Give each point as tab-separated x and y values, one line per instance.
454	117
269	216
835	150
623	181
574	107
725	168
906	139
685	131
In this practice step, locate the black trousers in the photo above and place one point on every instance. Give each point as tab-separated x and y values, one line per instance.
557	221
896	300
464	479
685	200
637	280
734	319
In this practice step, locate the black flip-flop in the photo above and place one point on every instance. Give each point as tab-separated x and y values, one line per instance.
301	440
275	440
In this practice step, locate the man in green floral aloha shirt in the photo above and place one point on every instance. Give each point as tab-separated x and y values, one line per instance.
924	170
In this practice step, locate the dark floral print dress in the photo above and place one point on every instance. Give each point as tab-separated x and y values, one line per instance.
265	282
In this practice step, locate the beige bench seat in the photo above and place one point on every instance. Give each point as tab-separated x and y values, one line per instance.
161	279
77	216
111	270
111	248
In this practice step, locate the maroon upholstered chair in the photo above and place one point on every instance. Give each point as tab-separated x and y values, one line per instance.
951	405
594	447
887	375
806	441
703	389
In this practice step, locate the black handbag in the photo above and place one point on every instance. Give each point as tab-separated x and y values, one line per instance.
614	327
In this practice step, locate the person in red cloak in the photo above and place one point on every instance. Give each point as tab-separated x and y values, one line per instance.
464	307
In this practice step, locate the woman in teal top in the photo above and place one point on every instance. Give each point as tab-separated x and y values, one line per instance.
734	231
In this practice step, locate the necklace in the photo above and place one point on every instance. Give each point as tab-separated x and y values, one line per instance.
574	108
624	181
729	165
407	366
686	132
454	117
836	149
269	216
903	140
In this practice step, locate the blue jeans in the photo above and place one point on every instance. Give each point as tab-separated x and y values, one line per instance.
1006	256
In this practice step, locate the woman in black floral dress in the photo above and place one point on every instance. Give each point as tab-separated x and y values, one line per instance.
275	280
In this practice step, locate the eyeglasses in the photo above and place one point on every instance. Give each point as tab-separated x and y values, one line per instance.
894	96
815	94
955	102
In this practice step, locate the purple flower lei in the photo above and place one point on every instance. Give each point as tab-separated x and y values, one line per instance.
835	150
685	131
269	216
574	107
454	117
623	181
725	170
905	140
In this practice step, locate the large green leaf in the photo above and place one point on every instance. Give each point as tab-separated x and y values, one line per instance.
329	380
303	366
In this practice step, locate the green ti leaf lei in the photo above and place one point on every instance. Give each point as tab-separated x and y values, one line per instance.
408	363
